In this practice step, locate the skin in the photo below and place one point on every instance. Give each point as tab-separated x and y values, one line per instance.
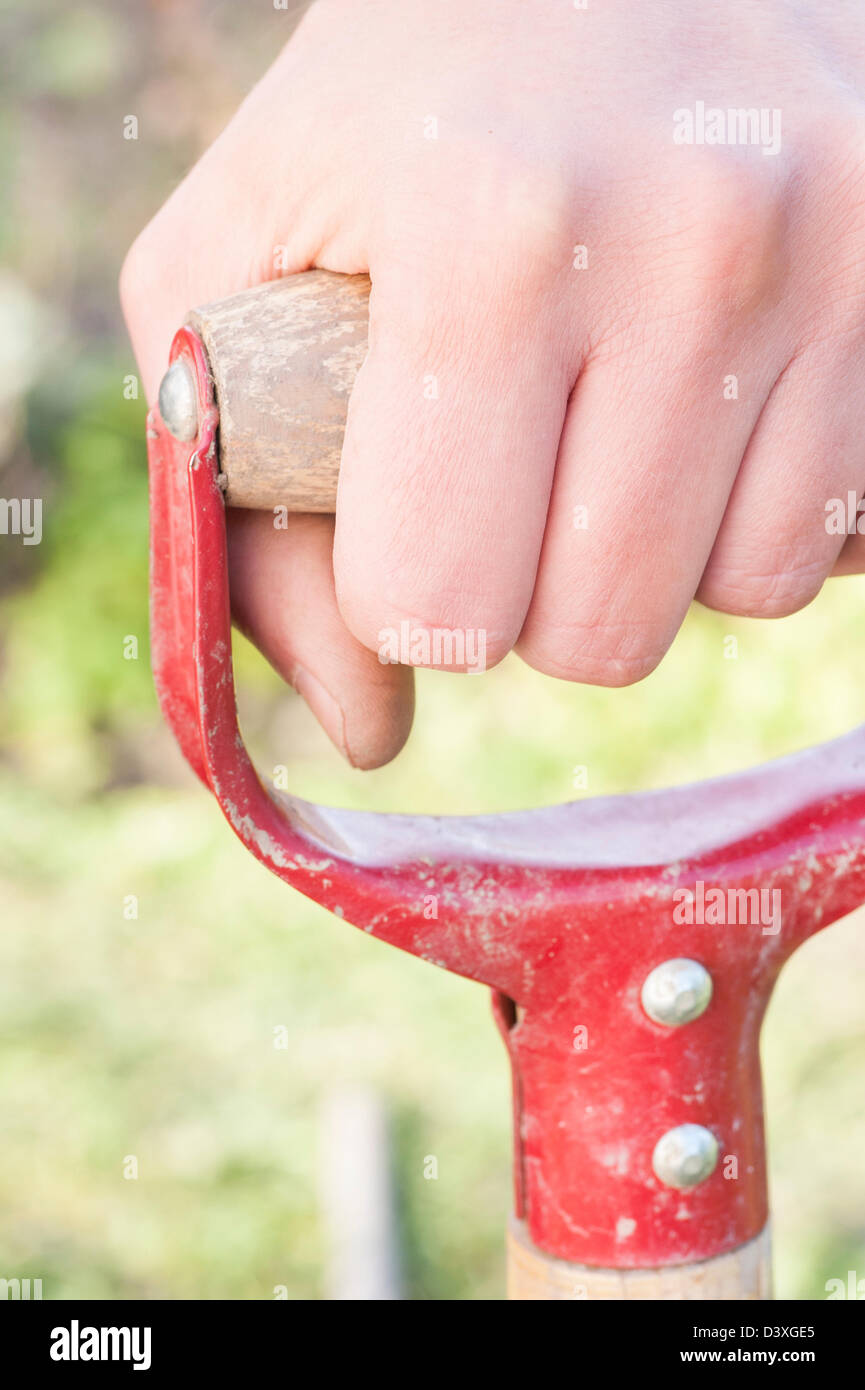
555	387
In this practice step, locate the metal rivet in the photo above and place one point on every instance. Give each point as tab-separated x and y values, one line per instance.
685	1156
677	992
178	405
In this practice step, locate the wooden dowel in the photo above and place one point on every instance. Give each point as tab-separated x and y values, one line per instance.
742	1274
284	358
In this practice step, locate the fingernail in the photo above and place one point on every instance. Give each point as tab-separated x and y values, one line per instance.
326	709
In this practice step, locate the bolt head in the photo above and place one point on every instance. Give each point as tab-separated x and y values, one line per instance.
685	1156
178	404
677	992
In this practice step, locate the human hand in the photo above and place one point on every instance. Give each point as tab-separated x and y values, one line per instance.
609	370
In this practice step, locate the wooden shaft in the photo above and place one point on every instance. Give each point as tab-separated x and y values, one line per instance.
284	358
741	1274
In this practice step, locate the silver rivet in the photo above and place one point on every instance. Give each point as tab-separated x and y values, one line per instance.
178	405
677	991
685	1156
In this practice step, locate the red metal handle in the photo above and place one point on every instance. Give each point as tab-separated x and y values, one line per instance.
563	911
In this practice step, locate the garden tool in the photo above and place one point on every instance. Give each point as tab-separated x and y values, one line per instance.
631	942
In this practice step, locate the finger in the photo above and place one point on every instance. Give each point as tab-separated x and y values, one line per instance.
785	526
447	462
283	598
650	449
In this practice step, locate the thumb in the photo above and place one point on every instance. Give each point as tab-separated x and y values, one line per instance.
283	598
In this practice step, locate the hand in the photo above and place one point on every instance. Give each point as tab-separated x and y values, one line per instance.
549	448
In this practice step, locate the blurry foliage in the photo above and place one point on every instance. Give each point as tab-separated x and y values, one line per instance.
154	1036
75	55
65	676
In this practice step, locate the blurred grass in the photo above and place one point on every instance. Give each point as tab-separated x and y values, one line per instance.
154	1037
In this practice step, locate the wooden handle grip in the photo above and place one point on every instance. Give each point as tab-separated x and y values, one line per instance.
284	358
743	1274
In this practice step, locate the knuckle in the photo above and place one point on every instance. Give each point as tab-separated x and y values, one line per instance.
434	633
603	654
725	239
516	220
434	595
775	592
537	220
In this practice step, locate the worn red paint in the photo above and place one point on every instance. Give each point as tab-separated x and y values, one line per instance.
538	907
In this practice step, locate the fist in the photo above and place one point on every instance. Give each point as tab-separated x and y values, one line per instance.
616	329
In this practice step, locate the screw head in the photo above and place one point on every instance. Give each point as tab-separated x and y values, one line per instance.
685	1156
677	992
178	404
